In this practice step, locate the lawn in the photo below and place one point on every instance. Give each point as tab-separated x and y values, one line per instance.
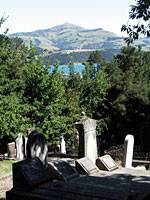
5	167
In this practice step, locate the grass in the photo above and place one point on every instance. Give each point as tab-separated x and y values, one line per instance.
5	167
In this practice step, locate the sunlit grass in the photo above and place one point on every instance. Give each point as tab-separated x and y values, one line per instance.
5	167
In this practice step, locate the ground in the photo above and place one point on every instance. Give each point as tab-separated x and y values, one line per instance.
5	185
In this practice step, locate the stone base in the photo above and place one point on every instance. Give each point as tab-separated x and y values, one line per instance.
117	185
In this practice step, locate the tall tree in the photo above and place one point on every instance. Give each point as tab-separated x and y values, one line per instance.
141	14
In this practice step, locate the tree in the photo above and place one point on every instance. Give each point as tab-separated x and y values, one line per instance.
141	13
128	94
13	110
94	94
96	61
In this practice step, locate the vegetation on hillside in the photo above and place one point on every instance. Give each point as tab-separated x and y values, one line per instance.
76	57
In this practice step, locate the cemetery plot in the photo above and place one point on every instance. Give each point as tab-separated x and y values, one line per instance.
106	163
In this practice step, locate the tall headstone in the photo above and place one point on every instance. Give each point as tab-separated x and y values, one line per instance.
37	147
87	138
63	146
20	147
128	151
25	145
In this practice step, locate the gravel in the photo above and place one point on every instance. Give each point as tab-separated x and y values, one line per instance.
6	184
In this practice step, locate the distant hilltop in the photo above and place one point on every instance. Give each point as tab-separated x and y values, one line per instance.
70	37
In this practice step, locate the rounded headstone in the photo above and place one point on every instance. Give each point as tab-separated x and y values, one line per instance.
37	147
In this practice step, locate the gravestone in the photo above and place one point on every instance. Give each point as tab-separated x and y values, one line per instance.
87	138
106	163
61	170
128	151
37	147
63	146
20	147
29	173
11	150
25	146
86	166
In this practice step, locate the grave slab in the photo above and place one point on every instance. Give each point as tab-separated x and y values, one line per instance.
29	173
61	170
86	166
120	184
106	163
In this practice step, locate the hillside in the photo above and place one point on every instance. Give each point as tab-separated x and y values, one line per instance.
69	37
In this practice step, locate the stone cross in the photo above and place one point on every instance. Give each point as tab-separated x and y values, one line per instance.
87	138
128	151
20	147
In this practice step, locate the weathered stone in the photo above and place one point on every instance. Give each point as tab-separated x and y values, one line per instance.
87	138
128	151
63	146
28	173
37	147
20	147
86	166
11	150
106	163
61	170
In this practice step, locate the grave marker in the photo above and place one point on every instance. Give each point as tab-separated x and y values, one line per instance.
87	138
86	166
11	150
106	163
37	147
28	173
63	146
62	170
20	147
128	151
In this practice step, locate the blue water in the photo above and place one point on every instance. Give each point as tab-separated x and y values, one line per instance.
65	68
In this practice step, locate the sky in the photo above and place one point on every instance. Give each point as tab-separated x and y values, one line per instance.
31	15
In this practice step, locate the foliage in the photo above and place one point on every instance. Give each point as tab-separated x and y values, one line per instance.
141	13
129	95
94	90
77	57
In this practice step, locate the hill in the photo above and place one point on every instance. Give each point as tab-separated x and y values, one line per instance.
72	37
69	36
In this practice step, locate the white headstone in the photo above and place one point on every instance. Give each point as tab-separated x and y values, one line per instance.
63	146
87	138
128	151
25	144
20	147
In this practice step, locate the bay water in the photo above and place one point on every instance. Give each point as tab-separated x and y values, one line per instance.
65	68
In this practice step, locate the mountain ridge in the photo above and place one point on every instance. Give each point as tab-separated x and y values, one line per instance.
68	36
